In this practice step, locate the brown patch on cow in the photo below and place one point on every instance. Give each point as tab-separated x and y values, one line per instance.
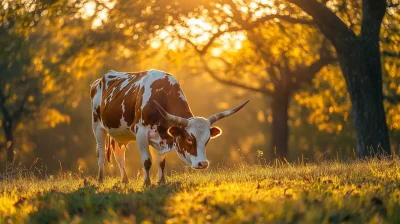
111	148
98	112
93	92
185	146
93	88
112	110
129	102
150	113
95	117
194	143
147	164
163	132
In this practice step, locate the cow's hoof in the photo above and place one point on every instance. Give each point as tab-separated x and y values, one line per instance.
161	181
100	179
125	180
147	183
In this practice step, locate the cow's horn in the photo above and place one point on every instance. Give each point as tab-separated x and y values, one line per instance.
227	113
169	117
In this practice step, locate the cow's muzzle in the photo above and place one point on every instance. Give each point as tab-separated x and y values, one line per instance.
202	165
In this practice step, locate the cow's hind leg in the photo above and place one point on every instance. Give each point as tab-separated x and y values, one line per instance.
100	135
142	139
161	166
119	154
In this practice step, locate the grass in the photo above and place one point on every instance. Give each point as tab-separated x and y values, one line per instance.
356	192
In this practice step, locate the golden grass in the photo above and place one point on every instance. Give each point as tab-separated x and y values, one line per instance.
356	192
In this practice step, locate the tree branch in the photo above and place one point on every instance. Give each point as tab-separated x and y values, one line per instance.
288	19
205	48
330	25
21	108
394	99
232	83
3	108
373	12
391	54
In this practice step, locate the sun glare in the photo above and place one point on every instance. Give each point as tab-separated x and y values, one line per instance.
89	9
199	32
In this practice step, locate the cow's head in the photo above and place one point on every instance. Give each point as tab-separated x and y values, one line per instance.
192	135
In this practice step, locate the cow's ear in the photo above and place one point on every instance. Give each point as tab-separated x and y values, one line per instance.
175	131
215	132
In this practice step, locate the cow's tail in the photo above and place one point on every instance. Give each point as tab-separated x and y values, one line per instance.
109	148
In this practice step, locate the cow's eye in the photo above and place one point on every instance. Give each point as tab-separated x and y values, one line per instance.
189	140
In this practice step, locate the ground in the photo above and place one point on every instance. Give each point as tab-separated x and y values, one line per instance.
330	192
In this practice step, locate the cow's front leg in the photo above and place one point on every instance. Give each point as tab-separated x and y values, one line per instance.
119	154
142	138
161	166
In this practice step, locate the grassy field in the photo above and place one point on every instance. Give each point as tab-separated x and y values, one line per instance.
357	192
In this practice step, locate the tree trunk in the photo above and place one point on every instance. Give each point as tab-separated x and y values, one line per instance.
361	66
280	128
9	144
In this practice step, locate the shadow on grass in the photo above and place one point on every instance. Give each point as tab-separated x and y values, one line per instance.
92	205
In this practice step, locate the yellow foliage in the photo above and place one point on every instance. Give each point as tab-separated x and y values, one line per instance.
54	117
328	104
393	117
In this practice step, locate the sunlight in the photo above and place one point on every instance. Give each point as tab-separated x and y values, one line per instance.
89	9
199	32
100	11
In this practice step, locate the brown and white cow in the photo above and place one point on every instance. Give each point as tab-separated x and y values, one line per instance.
133	107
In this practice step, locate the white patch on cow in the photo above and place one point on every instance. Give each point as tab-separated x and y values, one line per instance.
96	99
150	78
128	79
172	80
200	128
118	75
157	142
122	122
132	85
112	94
181	95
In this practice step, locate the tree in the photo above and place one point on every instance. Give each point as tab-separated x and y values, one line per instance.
360	62
27	78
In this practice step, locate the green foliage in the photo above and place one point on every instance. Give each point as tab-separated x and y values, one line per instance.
355	192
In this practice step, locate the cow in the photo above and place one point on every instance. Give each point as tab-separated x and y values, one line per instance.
132	106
